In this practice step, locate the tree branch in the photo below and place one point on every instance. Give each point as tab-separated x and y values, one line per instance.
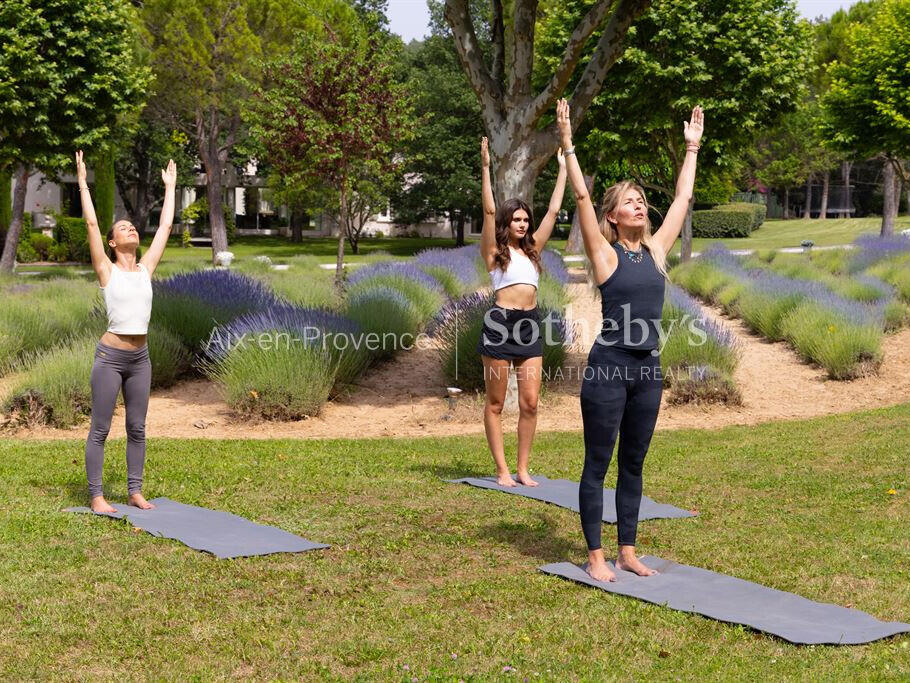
488	92
608	50
572	54
525	14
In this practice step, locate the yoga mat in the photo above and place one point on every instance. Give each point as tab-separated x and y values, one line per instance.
564	493
220	533
726	598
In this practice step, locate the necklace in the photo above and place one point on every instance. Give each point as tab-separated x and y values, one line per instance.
634	256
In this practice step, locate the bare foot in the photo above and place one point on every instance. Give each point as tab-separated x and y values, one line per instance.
101	506
598	568
137	500
505	480
627	561
525	479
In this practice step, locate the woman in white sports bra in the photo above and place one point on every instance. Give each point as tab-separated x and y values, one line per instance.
121	357
511	247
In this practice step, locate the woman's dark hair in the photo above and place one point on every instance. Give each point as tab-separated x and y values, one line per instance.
503	221
110	250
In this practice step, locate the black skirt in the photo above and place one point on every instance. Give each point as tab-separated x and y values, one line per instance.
510	333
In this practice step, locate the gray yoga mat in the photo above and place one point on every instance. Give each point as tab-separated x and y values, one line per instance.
564	493
220	533
726	598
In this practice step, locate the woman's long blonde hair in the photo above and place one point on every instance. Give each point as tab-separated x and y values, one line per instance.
608	229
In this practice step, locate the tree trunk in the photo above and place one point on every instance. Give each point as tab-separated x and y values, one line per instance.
339	262
807	211
575	244
890	199
515	174
786	203
213	193
685	250
846	167
823	212
104	190
459	229
6	202
296	220
8	260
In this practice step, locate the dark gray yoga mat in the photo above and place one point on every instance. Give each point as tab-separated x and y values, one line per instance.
726	598
564	493
220	533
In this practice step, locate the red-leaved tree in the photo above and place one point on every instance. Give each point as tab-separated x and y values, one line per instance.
327	112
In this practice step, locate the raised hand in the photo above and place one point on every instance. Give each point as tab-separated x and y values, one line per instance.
484	152
564	123
693	129
169	175
80	169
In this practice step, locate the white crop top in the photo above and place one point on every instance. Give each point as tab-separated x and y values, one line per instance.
128	299
520	271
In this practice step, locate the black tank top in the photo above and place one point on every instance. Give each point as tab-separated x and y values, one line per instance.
634	292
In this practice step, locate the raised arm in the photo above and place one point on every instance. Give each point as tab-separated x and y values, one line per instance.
545	229
600	254
100	261
685	183
151	258
488	233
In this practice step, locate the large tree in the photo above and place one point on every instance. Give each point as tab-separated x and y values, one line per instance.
206	57
441	160
867	109
327	112
744	61
521	141
68	75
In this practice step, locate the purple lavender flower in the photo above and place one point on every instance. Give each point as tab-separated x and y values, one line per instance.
221	289
397	268
306	324
461	261
555	266
870	249
470	303
678	298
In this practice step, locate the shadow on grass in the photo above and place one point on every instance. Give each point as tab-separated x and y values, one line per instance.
457	470
539	537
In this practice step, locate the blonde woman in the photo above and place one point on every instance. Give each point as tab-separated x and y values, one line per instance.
122	357
622	383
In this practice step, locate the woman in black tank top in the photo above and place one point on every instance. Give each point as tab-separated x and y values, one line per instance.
622	382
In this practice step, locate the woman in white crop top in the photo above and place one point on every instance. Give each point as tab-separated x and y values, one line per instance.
121	358
512	332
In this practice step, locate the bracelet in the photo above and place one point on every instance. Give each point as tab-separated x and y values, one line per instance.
83	187
693	148
567	152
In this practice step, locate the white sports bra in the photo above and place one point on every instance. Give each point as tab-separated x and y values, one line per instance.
520	271
128	299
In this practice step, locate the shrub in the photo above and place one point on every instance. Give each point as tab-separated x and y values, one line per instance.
422	291
25	253
73	233
59	253
723	222
41	243
385	311
56	390
169	357
287	382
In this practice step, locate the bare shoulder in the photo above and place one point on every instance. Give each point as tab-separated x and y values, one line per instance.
103	271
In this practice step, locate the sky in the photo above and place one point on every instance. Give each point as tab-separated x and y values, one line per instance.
409	18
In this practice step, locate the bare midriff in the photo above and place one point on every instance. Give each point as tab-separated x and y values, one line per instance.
127	342
517	296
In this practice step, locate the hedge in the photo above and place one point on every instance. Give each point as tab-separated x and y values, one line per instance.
728	220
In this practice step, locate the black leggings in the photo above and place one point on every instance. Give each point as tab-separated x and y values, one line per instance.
620	394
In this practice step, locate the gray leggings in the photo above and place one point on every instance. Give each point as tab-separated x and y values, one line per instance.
113	369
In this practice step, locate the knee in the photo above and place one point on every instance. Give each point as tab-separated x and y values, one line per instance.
98	433
135	430
494	406
527	407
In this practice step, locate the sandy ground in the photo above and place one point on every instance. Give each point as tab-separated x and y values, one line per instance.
406	396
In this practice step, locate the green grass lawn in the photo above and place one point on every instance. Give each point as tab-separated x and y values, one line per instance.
438	581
